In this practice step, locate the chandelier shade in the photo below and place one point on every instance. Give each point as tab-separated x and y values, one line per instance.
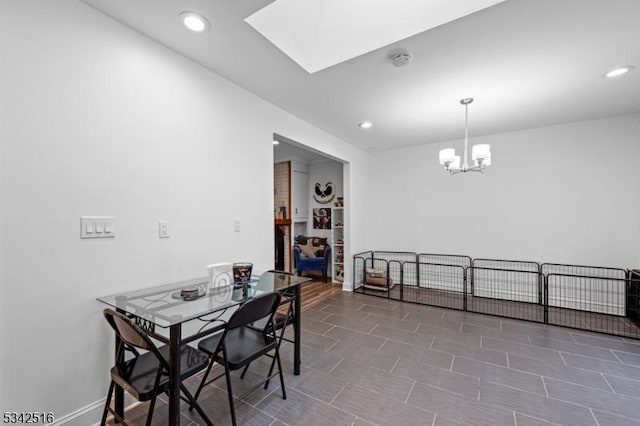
447	155
481	151
485	161
455	164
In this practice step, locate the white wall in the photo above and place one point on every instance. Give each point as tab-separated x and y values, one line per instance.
98	120
568	193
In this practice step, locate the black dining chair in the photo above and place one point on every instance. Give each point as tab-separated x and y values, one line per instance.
282	318
146	375
239	344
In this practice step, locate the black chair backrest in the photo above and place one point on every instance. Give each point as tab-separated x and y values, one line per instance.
254	310
128	332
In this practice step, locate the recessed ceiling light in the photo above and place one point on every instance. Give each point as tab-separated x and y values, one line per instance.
275	142
194	22
619	71
365	124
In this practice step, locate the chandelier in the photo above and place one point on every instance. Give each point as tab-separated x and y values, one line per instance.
481	153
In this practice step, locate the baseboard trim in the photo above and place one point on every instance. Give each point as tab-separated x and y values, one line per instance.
88	415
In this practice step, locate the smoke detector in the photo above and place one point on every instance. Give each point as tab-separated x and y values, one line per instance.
400	58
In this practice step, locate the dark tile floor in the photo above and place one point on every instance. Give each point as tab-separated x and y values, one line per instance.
372	361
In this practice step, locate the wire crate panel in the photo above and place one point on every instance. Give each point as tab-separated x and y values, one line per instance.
410	274
633	296
431	297
440	285
592	294
441	277
398	256
445	259
513	265
506	308
519	286
582	270
359	261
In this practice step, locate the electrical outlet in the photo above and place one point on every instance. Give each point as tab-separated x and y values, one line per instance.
236	224
163	227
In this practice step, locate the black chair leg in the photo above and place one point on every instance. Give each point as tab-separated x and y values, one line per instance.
246	367
106	406
277	357
280	338
227	375
152	404
273	364
201	385
194	403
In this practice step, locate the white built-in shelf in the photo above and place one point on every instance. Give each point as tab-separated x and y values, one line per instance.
337	234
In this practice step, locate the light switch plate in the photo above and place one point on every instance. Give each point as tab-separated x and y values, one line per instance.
97	227
163	228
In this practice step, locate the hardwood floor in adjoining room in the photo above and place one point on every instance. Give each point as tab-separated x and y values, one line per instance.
373	361
316	291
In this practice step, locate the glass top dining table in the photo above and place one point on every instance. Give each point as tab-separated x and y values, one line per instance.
164	306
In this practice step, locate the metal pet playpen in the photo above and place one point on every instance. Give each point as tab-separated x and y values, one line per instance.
599	299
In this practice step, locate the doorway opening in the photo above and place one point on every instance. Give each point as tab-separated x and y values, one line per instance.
309	218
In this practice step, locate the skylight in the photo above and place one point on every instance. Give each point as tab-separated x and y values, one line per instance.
317	34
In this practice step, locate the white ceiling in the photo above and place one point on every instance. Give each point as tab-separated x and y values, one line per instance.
527	63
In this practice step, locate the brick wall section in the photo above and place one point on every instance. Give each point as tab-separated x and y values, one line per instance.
281	197
281	186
